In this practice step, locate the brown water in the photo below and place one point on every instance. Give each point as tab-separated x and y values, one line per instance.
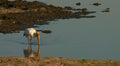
95	38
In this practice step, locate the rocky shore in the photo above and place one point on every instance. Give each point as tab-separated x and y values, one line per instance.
54	61
18	15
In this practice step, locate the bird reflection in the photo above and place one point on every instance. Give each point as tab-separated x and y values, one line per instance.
29	52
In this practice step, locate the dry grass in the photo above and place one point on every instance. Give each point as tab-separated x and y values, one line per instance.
54	61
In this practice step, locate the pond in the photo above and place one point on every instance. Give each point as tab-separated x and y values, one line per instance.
85	38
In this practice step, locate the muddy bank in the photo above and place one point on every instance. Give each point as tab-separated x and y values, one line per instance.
18	15
54	61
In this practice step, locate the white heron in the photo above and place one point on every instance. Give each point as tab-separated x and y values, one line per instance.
31	33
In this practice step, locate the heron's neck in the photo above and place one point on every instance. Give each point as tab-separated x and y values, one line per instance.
38	38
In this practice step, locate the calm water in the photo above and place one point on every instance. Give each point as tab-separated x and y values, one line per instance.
96	38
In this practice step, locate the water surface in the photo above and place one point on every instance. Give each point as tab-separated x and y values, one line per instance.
96	38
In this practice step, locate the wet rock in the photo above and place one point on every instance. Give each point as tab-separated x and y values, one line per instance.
46	31
106	10
96	4
88	16
84	11
68	8
78	4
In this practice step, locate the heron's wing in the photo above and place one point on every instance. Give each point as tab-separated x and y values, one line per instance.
26	33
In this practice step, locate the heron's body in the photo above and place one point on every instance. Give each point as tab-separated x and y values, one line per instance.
30	33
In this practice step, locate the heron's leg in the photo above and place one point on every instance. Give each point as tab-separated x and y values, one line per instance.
30	40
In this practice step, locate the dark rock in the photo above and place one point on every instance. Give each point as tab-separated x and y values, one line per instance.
96	4
78	4
68	8
106	10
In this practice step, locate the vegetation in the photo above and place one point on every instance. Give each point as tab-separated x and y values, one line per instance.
54	61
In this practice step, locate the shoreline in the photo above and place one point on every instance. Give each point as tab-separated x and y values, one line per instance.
15	17
54	61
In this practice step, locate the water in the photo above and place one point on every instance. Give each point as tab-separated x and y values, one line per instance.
95	38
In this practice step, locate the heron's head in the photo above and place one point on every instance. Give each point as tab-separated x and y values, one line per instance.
38	33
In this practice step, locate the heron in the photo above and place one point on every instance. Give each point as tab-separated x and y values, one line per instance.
31	33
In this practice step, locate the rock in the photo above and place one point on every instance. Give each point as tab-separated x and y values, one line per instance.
96	4
106	10
68	8
78	4
43	10
1	22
